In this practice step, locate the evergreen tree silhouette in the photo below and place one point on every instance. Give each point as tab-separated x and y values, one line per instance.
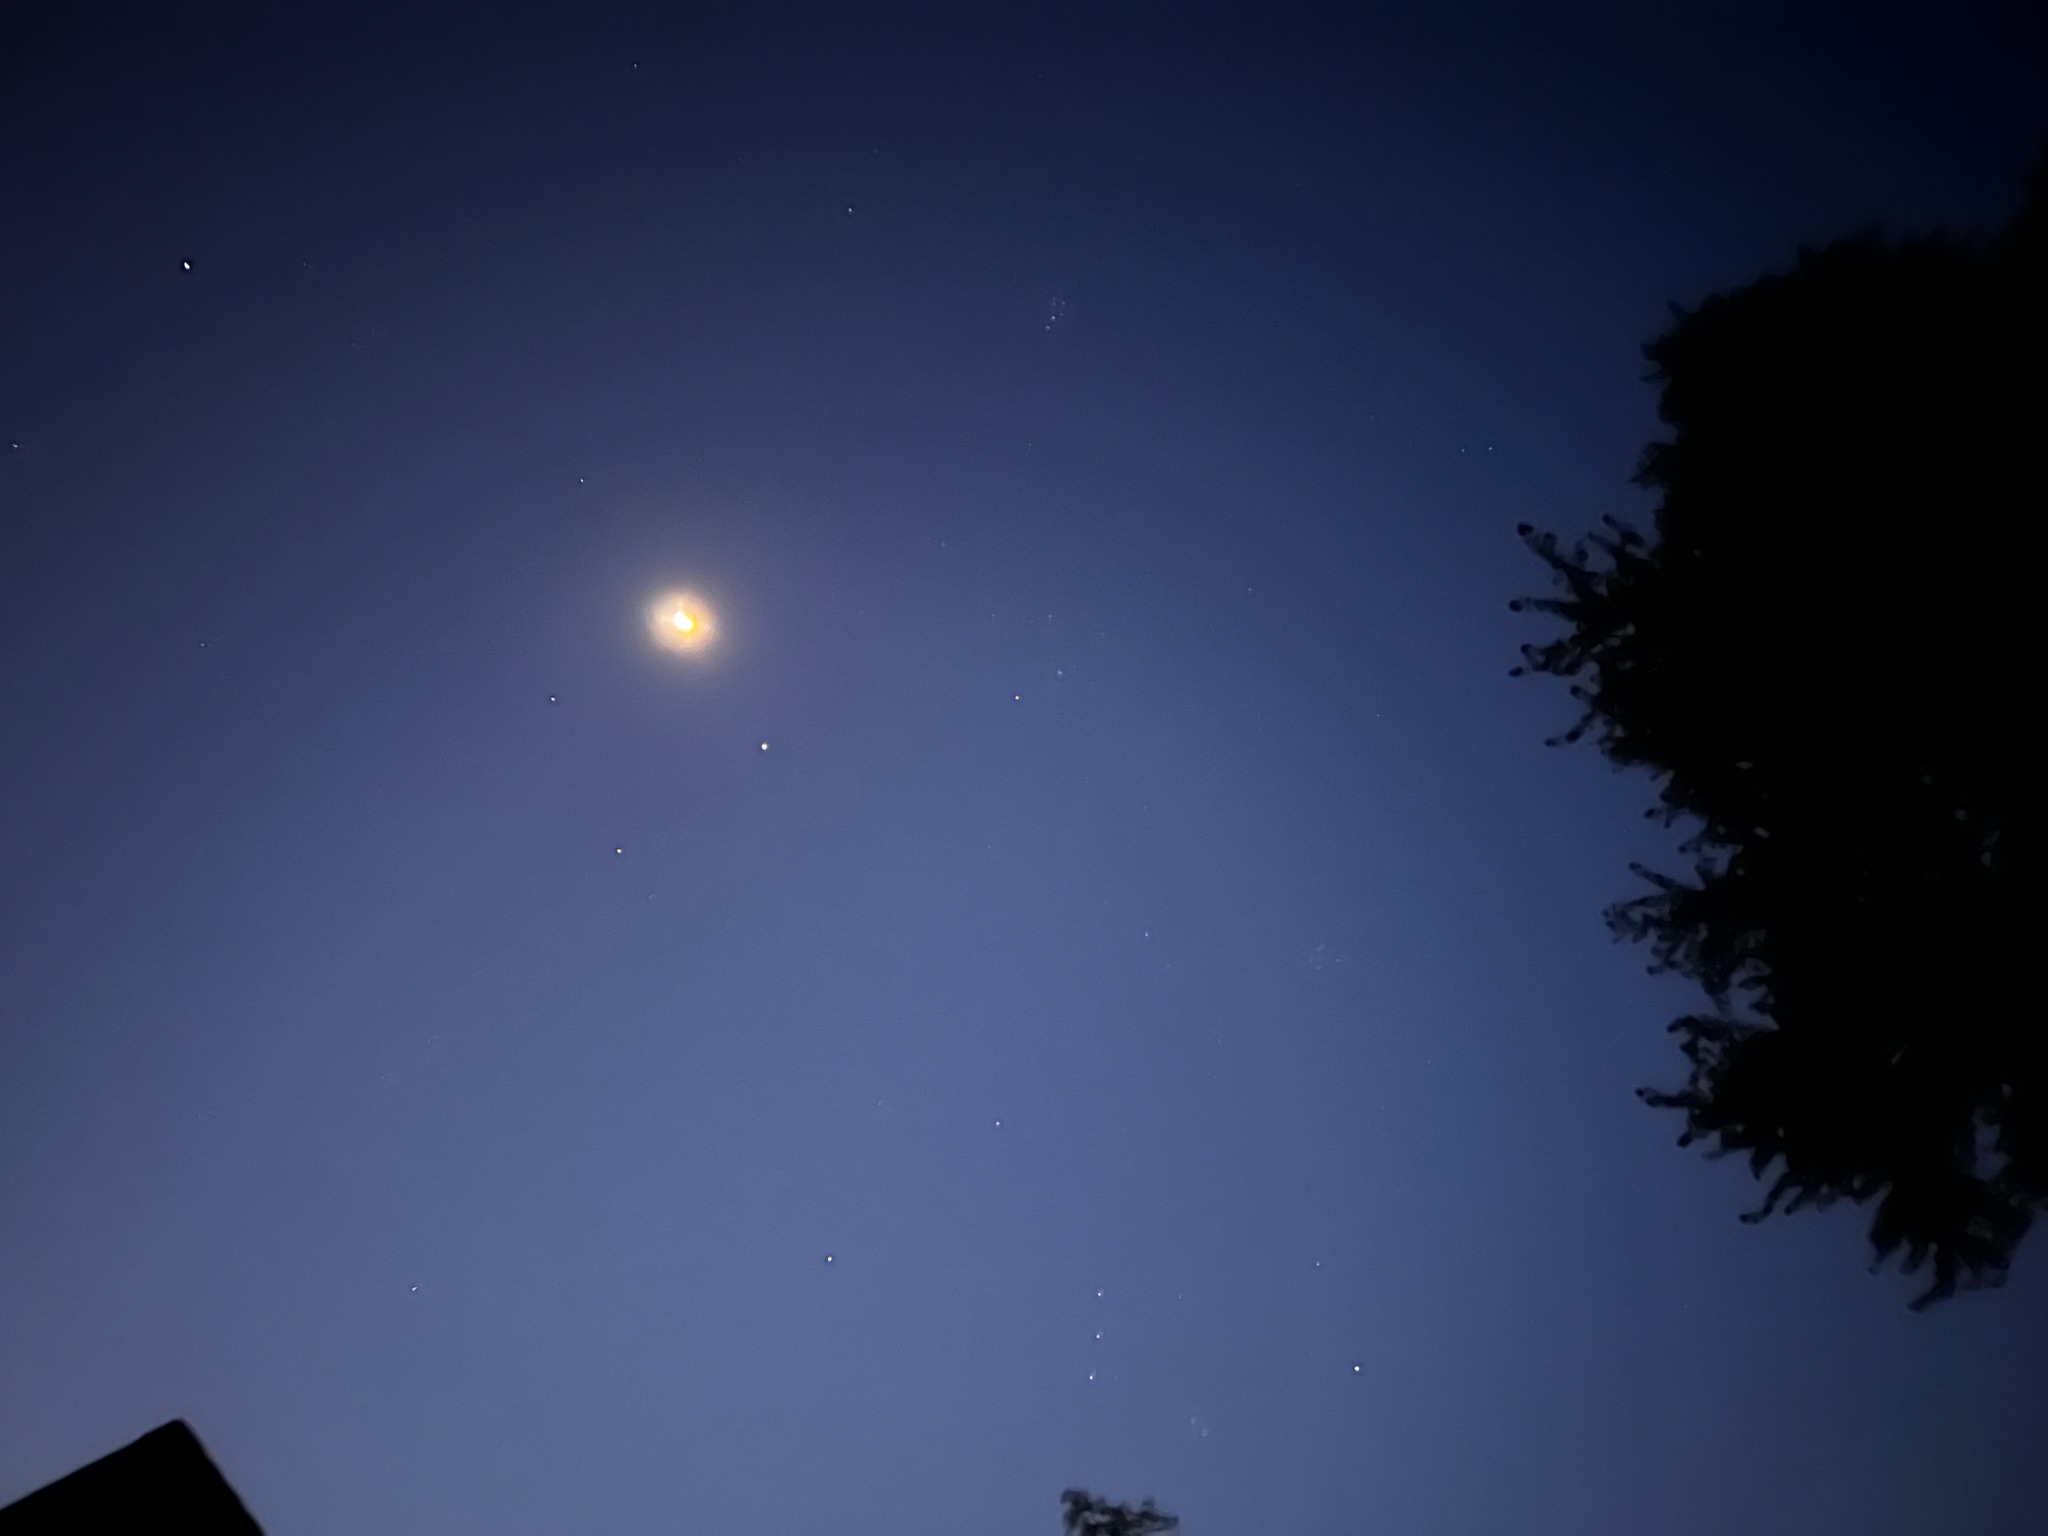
1827	652
1085	1514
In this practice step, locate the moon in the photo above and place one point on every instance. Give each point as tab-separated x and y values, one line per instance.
682	622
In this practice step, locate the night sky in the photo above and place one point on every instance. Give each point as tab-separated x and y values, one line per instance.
1094	977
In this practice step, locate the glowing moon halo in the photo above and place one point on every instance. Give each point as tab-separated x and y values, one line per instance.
683	622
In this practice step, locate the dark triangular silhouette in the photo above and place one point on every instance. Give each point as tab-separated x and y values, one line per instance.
162	1485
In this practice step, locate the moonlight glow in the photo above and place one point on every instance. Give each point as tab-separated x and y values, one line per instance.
682	621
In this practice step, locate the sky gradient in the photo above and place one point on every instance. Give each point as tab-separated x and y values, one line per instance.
1095	978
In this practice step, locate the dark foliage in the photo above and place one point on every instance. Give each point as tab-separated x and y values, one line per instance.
1827	651
1086	1515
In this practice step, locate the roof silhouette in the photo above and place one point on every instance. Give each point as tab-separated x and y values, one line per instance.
161	1485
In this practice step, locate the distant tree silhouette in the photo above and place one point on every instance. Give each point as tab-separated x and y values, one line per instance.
1827	650
1085	1514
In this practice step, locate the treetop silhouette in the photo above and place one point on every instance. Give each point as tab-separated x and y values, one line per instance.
1086	1514
1826	650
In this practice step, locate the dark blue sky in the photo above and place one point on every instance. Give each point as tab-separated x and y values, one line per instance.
1144	1020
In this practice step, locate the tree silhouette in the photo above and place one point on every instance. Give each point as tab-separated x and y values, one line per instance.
1827	650
1084	1514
